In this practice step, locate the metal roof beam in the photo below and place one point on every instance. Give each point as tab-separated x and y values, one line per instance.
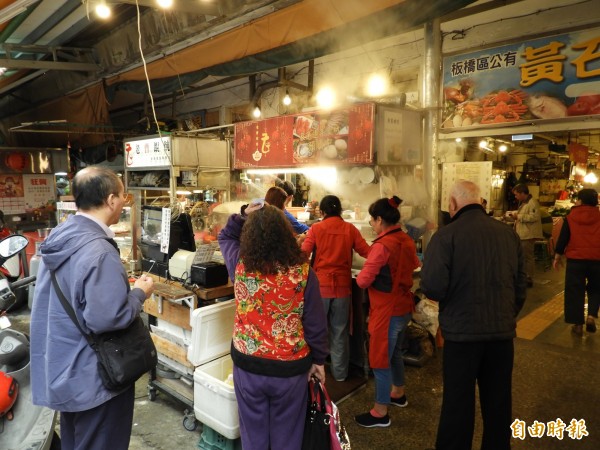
48	65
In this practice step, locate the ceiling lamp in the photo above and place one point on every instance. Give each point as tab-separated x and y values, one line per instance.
326	98
377	85
287	100
164	4
502	148
102	10
590	178
256	112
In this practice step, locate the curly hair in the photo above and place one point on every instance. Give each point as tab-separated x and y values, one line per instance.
276	196
387	209
267	244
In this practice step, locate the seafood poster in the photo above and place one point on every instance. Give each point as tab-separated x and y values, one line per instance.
554	77
333	137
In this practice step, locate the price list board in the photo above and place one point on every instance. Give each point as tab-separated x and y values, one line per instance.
479	172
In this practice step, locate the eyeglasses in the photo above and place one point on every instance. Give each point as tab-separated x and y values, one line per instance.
127	199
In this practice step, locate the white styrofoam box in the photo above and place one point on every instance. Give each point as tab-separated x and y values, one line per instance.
212	329
215	404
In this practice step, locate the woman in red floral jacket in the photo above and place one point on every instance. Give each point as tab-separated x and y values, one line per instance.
280	328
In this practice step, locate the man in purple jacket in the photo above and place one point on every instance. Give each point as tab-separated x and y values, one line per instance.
64	368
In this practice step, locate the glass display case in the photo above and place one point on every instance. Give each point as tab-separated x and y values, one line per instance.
122	228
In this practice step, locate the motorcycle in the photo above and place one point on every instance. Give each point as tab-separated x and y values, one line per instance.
24	425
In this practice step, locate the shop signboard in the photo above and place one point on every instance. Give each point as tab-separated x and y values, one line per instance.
549	78
148	152
343	136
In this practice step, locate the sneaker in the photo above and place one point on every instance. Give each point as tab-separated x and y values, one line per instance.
590	325
401	401
577	330
368	421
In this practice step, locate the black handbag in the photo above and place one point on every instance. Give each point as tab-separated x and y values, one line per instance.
123	355
317	434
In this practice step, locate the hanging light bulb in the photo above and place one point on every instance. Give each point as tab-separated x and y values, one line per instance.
326	98
287	100
102	10
503	148
256	112
164	4
590	178
483	144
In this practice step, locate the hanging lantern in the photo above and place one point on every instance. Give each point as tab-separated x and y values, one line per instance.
15	161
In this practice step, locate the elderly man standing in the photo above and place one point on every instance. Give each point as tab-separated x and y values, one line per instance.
64	367
474	268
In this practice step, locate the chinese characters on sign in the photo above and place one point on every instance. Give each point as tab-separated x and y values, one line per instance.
336	137
576	429
153	152
547	78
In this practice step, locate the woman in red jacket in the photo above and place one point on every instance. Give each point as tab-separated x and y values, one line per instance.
331	242
387	273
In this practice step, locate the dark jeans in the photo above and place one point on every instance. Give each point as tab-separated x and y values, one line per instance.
581	276
107	426
489	364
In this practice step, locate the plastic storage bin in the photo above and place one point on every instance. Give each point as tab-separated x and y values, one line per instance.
214	399
211	440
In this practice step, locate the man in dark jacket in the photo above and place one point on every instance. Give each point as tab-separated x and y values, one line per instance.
579	241
474	268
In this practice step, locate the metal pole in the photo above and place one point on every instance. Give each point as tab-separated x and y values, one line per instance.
432	68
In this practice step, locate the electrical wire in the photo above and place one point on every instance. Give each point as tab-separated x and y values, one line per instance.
139	29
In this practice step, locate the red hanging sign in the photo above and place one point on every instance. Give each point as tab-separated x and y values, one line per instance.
336	137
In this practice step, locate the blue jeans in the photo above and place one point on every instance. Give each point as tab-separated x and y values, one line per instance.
338	316
384	378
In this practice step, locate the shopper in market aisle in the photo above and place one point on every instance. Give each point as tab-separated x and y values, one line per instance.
290	190
388	275
528	224
277	196
64	368
579	241
474	268
280	328
332	242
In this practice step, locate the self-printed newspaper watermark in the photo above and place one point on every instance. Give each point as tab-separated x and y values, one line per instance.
576	429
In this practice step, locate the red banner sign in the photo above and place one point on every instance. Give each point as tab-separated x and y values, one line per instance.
333	137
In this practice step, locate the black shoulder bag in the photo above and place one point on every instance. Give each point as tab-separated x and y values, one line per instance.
123	355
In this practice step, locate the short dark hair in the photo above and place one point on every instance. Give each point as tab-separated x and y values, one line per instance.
288	187
588	197
93	185
276	196
521	189
331	205
387	209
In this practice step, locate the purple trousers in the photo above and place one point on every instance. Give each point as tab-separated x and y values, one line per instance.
271	409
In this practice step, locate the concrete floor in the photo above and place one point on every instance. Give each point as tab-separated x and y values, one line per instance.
555	376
